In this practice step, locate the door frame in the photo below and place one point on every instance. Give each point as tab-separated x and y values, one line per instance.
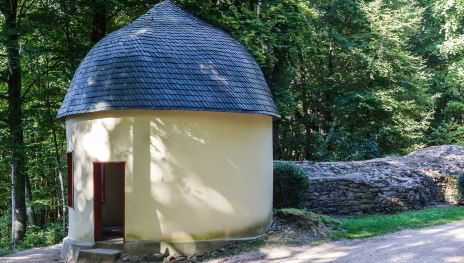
97	202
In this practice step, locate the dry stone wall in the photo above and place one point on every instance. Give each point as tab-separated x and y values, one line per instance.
421	179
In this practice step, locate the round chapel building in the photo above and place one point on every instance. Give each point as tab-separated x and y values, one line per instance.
169	138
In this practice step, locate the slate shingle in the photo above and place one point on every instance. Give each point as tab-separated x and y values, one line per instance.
168	60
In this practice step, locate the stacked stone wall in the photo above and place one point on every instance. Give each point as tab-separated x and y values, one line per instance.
423	178
447	186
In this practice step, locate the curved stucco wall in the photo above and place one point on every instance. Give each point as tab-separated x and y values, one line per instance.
189	175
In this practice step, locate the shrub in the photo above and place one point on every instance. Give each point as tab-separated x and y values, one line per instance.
291	185
34	237
5	226
5	232
39	237
460	187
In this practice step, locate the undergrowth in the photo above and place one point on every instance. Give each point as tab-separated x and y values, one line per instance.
35	237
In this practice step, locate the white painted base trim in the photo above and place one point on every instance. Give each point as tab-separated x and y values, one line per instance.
187	248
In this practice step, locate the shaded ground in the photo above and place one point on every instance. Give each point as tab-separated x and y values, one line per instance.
36	255
436	244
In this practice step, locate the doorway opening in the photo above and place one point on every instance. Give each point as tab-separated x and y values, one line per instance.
108	183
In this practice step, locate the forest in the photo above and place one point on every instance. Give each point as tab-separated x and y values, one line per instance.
353	80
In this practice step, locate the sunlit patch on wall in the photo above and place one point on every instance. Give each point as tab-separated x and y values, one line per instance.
95	142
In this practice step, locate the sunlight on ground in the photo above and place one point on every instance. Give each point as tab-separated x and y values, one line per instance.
279	253
437	244
402	257
457	233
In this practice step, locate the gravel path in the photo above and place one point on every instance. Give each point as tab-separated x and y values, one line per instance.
437	244
35	255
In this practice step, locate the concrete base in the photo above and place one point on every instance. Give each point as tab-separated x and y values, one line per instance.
71	248
188	248
117	244
100	255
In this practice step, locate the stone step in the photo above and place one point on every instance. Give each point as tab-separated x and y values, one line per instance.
116	244
98	255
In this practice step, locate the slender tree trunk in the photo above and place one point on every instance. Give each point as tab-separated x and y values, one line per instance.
255	5
63	202
331	57
277	154
57	154
308	123
14	120
60	174
309	130
276	73
98	20
29	208
13	214
461	97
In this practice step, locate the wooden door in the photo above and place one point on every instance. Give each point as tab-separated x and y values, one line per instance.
107	192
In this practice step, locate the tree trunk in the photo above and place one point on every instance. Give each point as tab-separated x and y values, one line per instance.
461	97
59	170
57	154
308	123
14	120
98	20
309	130
277	154
274	78
13	214
331	57
29	208
63	202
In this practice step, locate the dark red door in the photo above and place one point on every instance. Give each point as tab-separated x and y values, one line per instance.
108	201
98	198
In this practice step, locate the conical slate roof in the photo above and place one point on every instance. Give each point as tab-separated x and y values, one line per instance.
168	60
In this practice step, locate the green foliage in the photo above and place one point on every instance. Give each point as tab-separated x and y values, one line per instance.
41	237
348	145
455	109
291	185
34	238
445	60
373	225
5	232
460	187
447	133
48	235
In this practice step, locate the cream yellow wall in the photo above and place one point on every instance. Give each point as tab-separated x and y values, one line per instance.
189	175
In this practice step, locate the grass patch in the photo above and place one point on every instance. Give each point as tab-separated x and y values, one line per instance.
373	225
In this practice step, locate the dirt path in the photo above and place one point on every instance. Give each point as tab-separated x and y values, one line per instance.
35	255
437	244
